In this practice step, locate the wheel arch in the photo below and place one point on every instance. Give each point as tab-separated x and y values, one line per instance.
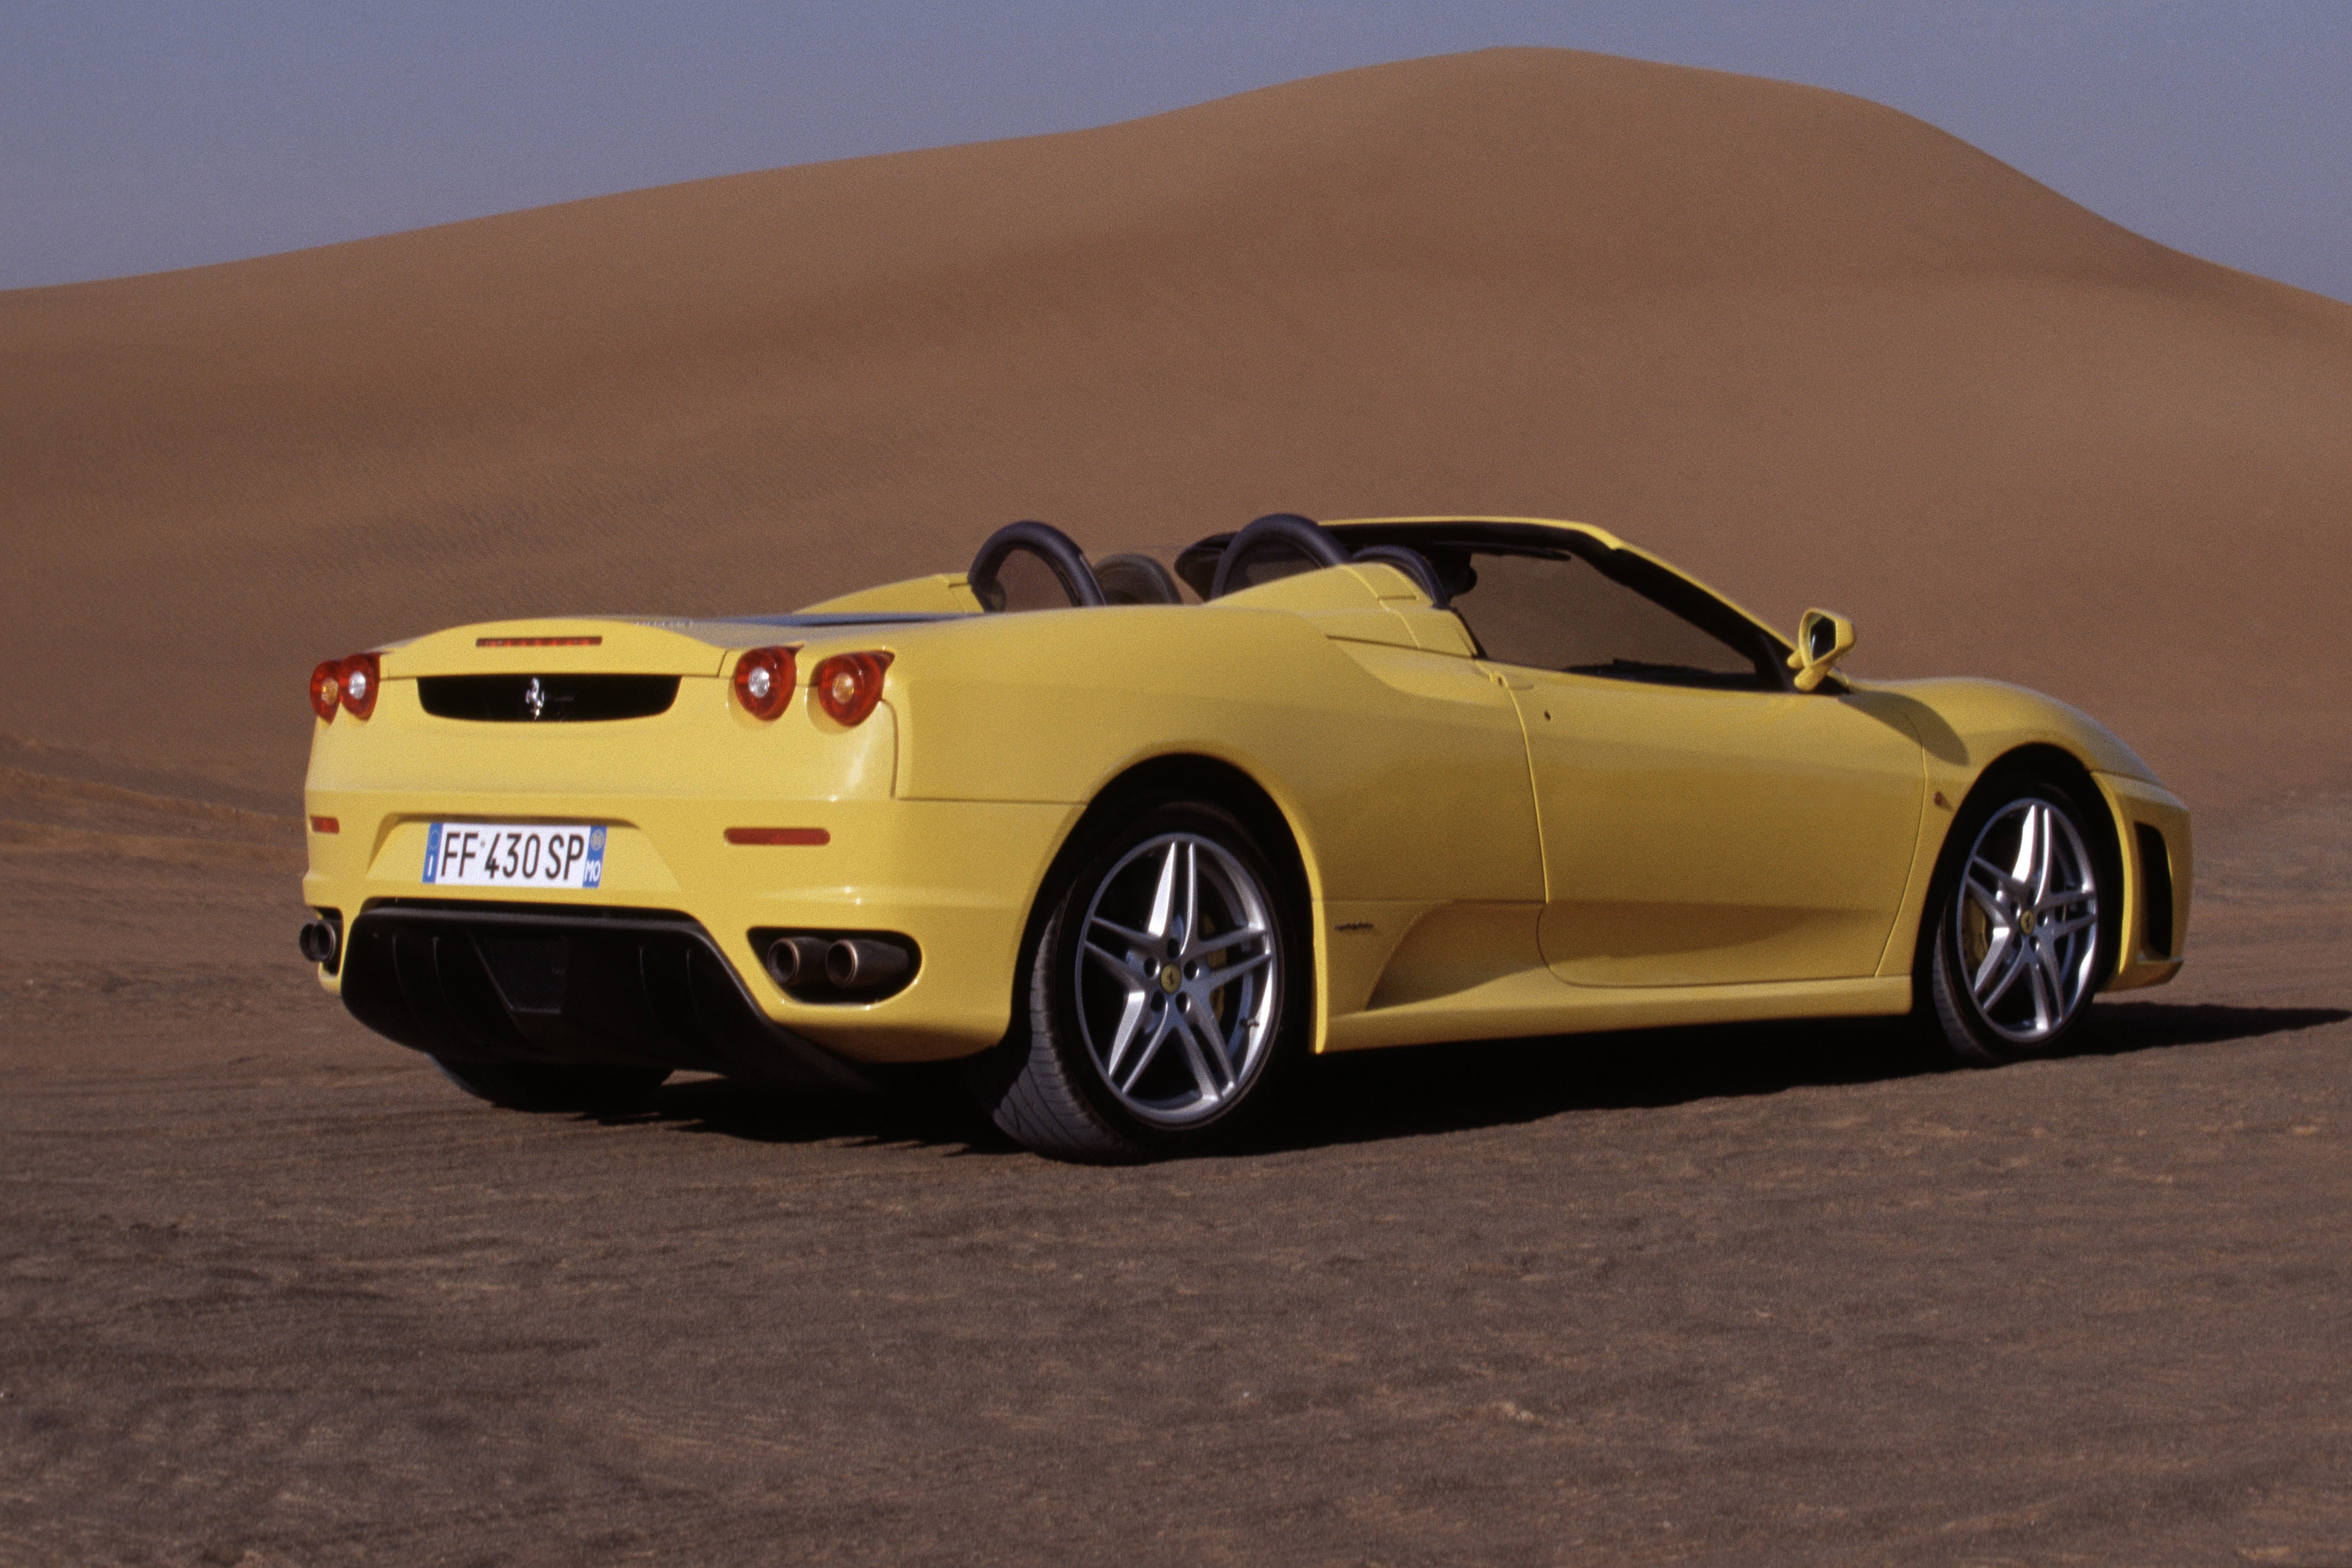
1193	775
2040	761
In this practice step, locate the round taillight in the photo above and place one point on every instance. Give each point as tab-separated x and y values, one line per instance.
362	673
327	689
849	685
764	678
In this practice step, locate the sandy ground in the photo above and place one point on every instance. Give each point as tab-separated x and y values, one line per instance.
271	1292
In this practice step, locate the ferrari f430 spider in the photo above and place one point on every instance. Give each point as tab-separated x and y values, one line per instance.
1133	853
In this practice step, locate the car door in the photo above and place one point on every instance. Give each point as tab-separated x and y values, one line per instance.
1701	823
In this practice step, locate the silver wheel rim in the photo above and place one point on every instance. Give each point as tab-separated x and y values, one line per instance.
2027	922
1177	984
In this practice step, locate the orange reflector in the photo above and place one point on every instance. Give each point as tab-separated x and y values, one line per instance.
810	836
325	824
537	642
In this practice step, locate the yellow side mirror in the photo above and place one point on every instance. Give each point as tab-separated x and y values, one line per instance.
1823	639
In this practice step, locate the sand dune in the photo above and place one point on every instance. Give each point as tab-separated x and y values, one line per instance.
277	1293
1814	349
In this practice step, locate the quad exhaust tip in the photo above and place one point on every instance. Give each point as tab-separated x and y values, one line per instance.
812	966
796	959
318	941
854	964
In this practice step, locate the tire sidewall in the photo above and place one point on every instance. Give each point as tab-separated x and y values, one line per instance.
1054	999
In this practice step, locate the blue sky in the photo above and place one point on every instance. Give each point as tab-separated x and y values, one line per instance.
135	136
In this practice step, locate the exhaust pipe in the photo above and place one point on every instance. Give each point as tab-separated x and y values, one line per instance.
318	941
854	963
797	961
825	967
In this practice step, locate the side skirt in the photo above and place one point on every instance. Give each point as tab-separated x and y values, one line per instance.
1535	1002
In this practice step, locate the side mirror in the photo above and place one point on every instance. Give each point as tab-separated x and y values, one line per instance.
1823	639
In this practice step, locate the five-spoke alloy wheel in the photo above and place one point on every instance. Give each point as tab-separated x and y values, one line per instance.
2019	937
1162	994
1176	989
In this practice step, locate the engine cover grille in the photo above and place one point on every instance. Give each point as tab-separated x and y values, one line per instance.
546	699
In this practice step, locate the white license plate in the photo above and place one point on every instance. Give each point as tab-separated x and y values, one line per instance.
513	855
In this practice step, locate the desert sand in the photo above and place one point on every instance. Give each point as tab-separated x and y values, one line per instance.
271	1292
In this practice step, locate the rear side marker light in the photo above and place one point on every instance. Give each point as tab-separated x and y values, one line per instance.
849	686
764	679
362	673
804	836
325	824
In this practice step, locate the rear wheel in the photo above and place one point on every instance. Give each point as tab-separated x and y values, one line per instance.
2019	944
1165	993
536	1085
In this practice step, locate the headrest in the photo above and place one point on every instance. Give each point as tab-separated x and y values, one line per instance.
1132	579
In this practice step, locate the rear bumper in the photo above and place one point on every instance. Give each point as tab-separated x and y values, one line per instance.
681	900
520	983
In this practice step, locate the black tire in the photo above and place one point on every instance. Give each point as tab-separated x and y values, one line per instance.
534	1086
1093	1019
1997	987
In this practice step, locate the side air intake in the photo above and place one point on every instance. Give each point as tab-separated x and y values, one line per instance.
2156	892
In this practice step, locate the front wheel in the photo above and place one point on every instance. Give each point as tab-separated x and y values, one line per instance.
2019	942
1165	991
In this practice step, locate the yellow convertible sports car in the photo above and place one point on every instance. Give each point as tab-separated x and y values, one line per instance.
1133	857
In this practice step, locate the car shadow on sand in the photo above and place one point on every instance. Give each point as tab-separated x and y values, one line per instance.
1418	1091
1440	1088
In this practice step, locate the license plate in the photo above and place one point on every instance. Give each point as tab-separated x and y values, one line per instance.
513	855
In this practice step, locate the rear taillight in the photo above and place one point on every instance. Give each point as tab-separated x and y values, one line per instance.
362	673
849	685
327	689
764	678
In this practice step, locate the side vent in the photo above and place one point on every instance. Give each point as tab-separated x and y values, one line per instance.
2156	892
